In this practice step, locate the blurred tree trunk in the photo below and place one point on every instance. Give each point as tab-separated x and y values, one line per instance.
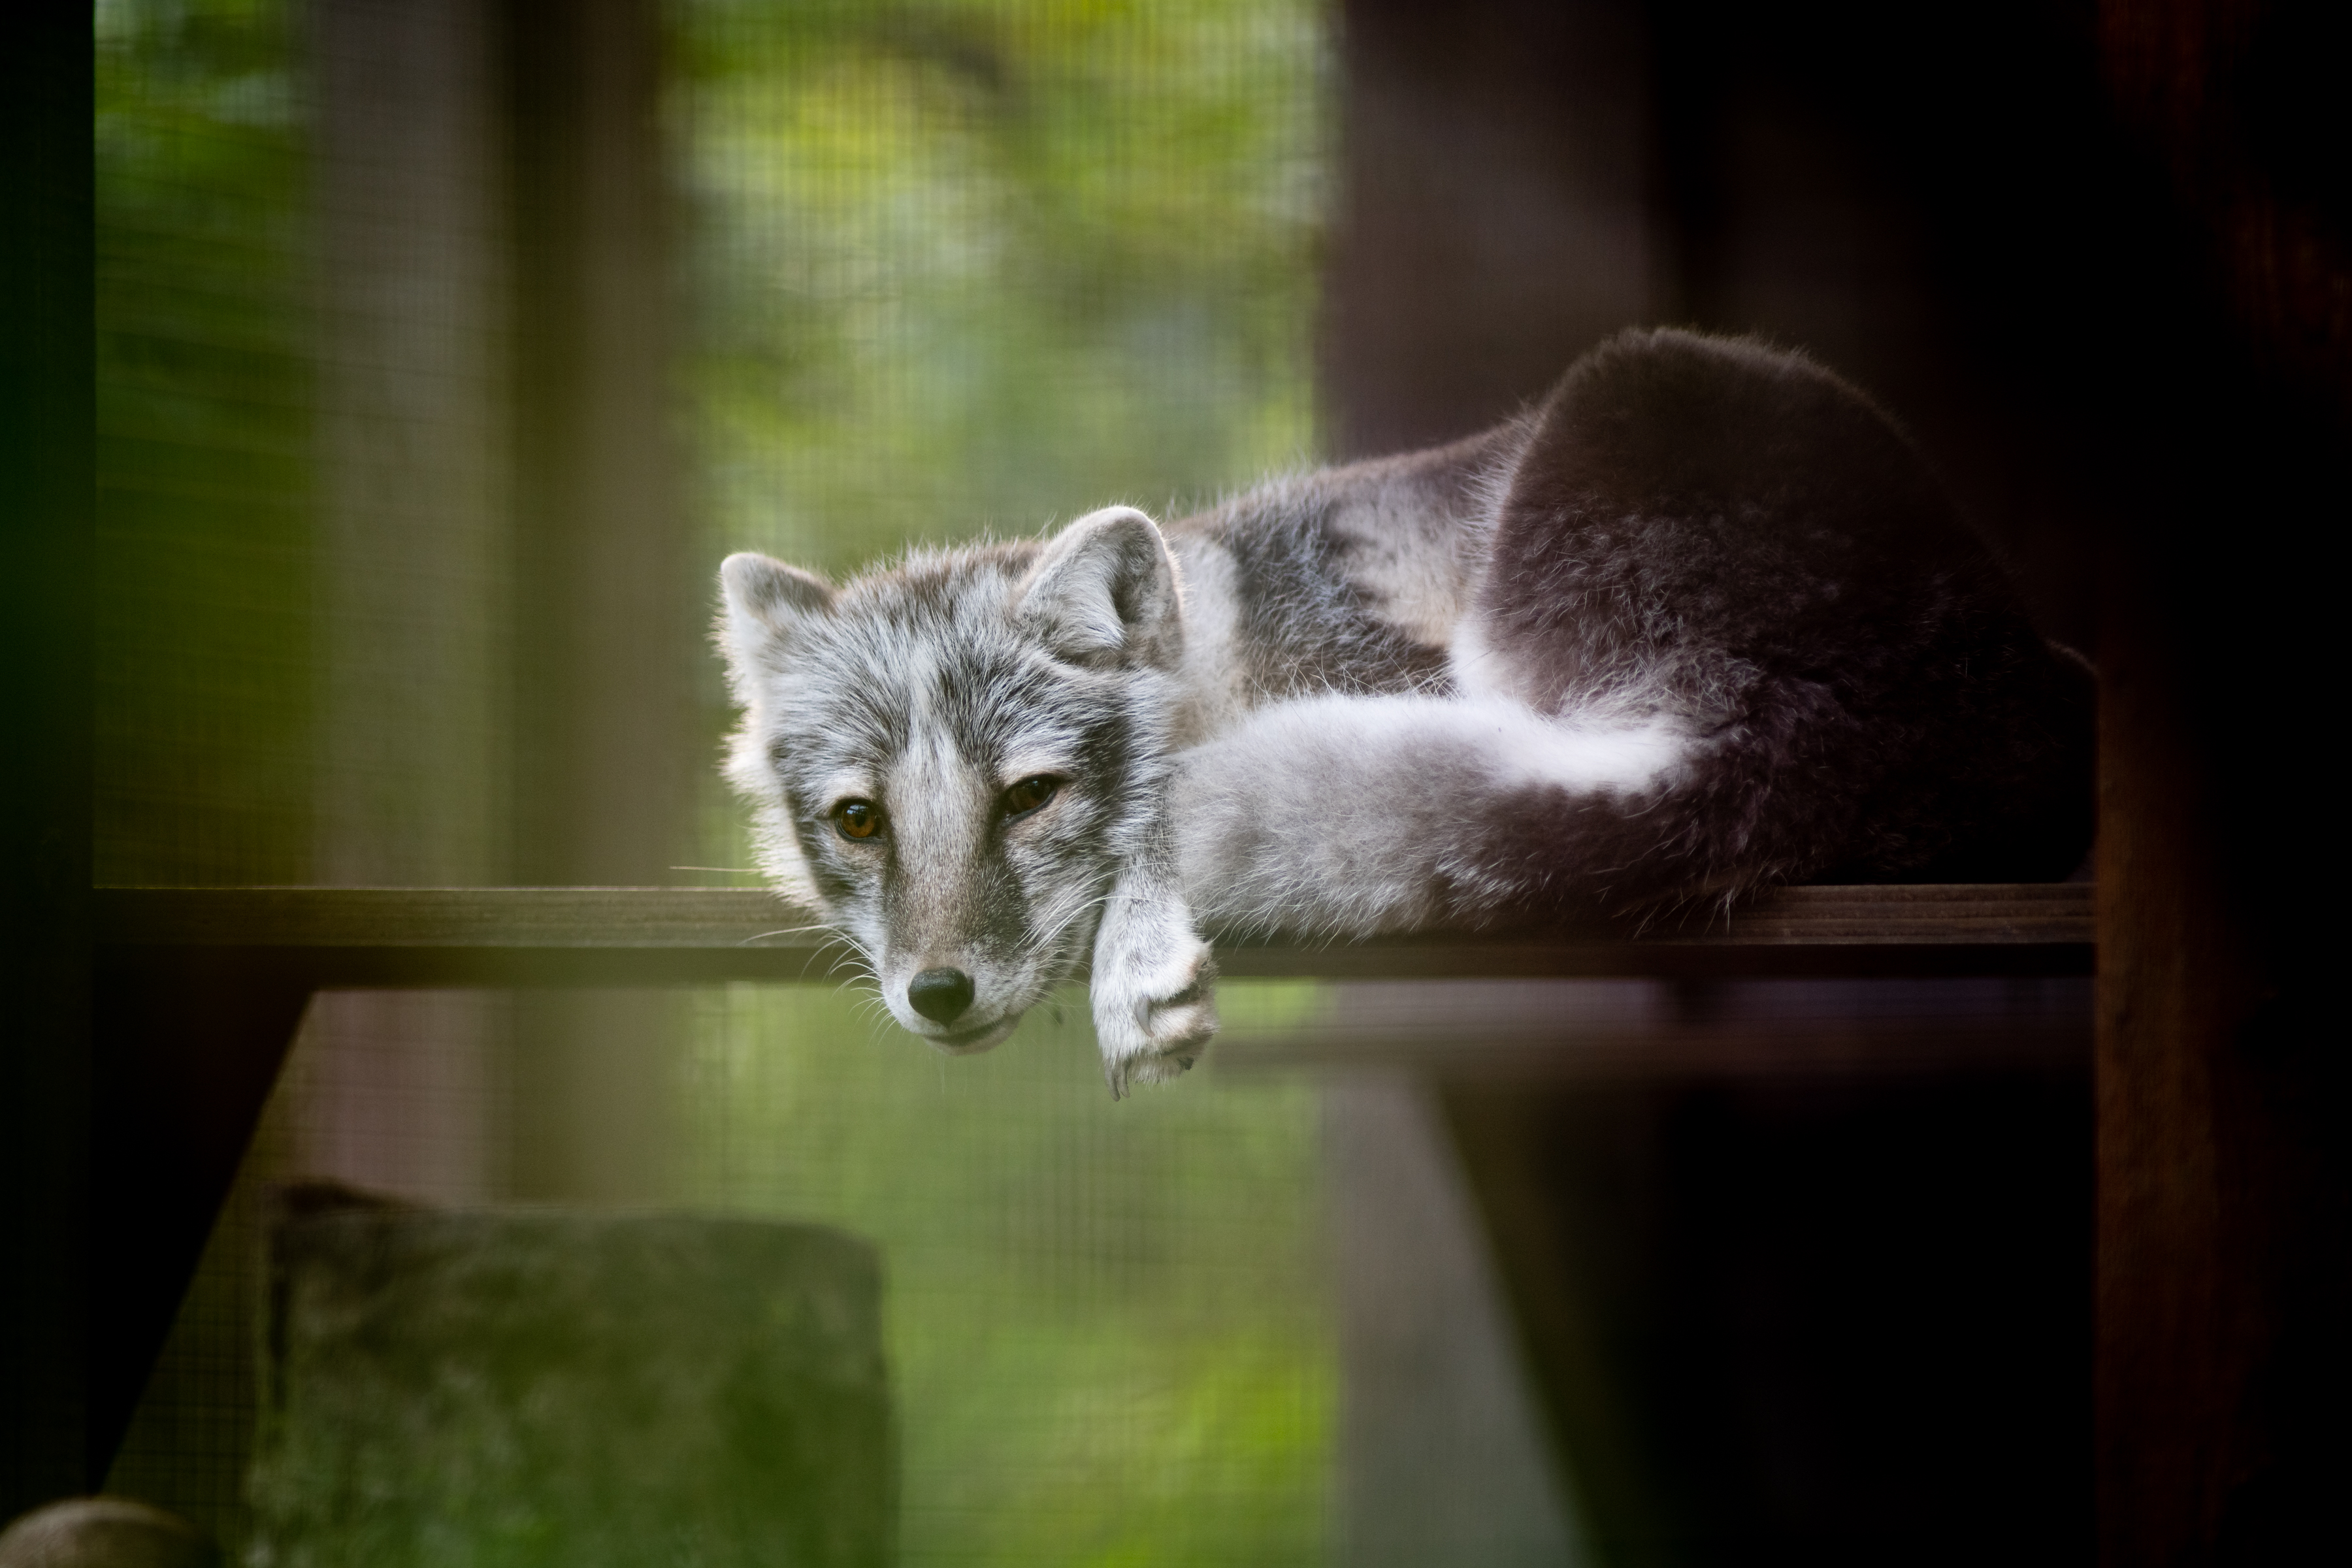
416	487
605	628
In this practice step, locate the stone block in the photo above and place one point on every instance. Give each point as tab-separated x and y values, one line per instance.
519	1388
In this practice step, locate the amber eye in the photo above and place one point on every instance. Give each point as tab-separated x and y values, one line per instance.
857	818
1030	794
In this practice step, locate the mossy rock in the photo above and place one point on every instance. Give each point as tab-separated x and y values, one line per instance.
511	1389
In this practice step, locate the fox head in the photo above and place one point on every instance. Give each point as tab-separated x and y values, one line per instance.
950	758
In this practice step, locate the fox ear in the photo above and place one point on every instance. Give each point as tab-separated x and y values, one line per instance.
1104	592
765	600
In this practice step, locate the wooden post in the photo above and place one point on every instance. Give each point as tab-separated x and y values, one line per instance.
2223	1289
2225	1199
414	451
2173	985
47	452
2224	1280
607	628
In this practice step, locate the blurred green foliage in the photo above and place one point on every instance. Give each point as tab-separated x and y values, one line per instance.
966	263
204	455
1108	1323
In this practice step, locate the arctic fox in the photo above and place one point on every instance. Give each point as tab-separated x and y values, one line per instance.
1700	623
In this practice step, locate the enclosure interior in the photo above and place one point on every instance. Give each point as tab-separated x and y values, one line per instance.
444	347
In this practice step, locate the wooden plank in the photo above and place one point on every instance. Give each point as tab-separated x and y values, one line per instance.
619	936
1961	929
445	917
474	936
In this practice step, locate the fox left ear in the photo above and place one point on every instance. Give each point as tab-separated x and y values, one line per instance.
763	603
1105	592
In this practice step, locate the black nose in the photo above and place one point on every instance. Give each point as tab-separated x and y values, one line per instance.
940	995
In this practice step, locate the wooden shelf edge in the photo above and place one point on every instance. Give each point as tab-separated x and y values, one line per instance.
620	936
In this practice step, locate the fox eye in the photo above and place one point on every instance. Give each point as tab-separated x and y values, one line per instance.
857	818
1030	794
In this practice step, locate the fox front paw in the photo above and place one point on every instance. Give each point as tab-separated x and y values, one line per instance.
1155	1011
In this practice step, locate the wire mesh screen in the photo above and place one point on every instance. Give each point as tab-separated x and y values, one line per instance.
965	264
915	271
206	477
1111	1330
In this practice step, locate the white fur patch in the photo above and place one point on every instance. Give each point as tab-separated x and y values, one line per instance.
1476	671
1338	816
1626	759
1516	745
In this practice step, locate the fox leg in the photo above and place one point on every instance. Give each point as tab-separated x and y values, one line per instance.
1153	989
1348	816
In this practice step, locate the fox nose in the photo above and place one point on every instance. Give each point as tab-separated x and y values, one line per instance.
940	995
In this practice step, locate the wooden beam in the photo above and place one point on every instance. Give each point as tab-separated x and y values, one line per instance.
628	936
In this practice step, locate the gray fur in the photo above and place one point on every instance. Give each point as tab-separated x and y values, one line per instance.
1701	623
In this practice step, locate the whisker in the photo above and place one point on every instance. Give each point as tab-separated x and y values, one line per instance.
842	949
859	965
787	931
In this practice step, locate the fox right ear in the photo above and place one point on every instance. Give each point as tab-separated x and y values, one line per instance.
765	600
1104	589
